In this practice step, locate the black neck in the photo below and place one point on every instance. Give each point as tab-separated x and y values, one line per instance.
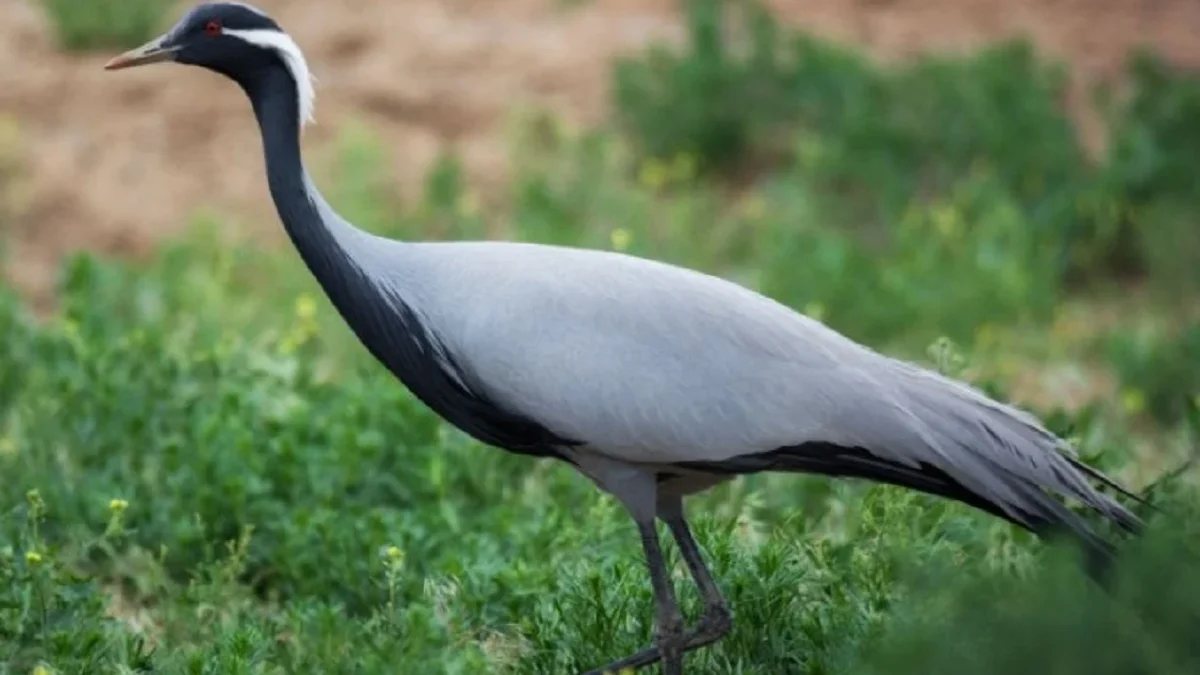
316	231
377	313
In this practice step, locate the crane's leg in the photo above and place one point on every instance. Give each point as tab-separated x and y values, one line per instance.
668	624
637	489
716	621
669	638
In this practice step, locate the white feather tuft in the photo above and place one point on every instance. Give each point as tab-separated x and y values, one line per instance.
293	58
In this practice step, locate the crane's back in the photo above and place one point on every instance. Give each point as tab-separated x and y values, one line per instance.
639	357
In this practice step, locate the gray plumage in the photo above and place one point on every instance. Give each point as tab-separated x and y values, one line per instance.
653	380
652	364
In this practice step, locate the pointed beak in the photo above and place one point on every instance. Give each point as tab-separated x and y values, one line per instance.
154	51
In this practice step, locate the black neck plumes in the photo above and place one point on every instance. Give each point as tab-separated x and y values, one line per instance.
315	230
388	326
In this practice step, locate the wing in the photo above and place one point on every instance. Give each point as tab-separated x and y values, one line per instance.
398	334
650	363
640	360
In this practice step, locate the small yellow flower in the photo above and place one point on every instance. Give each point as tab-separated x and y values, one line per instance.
41	670
1133	401
620	239
306	307
287	345
468	205
653	174
754	207
946	219
985	335
564	129
117	505
394	554
33	557
815	310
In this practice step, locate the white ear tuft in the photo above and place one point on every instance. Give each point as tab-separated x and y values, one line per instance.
289	51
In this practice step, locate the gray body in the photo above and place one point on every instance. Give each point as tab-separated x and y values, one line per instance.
654	367
653	380
642	361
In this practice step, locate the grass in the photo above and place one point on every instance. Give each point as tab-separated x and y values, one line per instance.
240	505
746	100
204	473
230	477
95	24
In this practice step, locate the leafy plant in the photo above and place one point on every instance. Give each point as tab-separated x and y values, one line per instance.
710	102
91	24
745	96
1153	149
205	472
1159	370
227	483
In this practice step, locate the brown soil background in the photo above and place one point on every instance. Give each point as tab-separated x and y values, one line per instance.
112	162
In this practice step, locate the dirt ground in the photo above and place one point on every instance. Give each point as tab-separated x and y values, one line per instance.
114	161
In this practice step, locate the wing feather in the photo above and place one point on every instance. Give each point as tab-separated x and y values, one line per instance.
651	363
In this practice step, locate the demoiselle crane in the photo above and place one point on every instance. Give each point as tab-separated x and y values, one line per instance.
654	381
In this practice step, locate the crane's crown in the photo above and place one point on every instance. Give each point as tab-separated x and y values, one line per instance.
231	38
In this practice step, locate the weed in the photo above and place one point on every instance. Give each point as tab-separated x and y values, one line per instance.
210	496
872	142
709	102
93	24
205	472
1159	370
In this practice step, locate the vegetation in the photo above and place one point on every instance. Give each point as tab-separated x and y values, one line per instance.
204	473
94	24
869	139
1160	370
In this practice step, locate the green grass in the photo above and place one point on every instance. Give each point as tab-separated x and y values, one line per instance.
260	489
95	24
202	471
265	468
750	101
1160	368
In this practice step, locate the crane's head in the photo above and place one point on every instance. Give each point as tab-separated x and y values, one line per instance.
231	38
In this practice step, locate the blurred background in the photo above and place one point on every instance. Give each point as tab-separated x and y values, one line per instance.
114	162
1006	190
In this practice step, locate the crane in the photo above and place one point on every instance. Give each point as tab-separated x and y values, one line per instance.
654	381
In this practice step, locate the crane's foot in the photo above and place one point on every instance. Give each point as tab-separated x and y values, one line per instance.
713	626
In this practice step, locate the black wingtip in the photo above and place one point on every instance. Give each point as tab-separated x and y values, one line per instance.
1099	558
1100	564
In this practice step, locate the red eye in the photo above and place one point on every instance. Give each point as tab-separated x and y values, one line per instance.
212	28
